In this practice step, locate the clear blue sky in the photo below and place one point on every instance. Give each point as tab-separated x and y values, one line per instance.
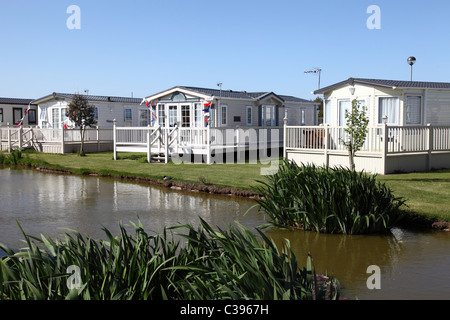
146	46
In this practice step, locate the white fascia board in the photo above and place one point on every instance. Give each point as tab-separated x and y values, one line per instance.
176	89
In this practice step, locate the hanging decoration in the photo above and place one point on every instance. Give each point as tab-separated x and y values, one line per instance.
207	105
26	115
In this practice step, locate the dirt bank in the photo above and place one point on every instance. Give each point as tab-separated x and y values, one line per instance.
408	221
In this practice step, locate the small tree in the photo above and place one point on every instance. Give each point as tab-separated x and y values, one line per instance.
82	114
356	129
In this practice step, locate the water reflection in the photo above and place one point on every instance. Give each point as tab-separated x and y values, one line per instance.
413	265
44	203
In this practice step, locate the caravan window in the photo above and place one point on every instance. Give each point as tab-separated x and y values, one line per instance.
413	110
388	106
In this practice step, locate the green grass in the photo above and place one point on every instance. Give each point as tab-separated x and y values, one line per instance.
239	176
427	193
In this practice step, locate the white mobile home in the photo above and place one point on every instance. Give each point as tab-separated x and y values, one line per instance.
404	103
409	128
52	111
207	122
183	105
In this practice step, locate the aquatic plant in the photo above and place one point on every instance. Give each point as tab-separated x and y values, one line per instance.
234	263
331	200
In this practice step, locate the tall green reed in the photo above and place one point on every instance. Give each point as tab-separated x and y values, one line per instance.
197	263
332	200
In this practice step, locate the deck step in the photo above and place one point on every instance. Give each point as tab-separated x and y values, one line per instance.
160	157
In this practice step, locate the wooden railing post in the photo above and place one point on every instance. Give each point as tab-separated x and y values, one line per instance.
208	142
326	142
385	145
285	137
115	138
9	138
430	145
62	140
149	145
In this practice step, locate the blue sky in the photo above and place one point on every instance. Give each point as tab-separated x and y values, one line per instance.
143	47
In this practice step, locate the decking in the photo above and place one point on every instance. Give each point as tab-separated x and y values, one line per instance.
210	145
387	149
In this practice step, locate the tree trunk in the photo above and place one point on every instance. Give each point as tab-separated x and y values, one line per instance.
351	156
351	159
82	130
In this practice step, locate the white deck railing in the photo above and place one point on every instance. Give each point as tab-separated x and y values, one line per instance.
18	138
386	148
193	140
389	139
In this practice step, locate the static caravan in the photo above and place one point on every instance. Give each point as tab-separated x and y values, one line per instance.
184	106
409	127
401	103
52	111
14	111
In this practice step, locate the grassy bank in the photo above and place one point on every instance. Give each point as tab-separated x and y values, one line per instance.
426	193
238	176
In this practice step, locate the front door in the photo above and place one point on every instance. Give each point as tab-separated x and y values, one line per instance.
185	116
173	115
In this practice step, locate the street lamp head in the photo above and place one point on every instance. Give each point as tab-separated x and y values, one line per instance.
411	60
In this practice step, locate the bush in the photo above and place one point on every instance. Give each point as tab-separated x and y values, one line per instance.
331	200
213	264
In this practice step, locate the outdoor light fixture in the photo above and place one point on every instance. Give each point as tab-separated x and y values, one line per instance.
352	90
411	61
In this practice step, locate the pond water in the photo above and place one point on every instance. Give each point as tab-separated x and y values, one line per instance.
414	265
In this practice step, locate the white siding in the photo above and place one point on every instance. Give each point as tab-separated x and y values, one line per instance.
438	107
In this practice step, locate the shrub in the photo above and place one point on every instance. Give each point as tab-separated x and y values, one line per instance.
332	200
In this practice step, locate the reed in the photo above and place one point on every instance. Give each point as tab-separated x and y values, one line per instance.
197	263
332	200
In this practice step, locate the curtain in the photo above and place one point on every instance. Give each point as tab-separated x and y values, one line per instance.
388	107
343	105
413	110
327	112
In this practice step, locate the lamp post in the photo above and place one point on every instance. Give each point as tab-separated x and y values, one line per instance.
411	61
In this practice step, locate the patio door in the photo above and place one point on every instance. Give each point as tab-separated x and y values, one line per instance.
186	116
173	115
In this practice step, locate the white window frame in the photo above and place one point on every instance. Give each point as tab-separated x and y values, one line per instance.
147	114
223	118
125	116
249	115
272	119
161	114
380	116
302	117
327	112
421	109
339	112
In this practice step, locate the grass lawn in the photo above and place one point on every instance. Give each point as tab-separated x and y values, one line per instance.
428	193
239	176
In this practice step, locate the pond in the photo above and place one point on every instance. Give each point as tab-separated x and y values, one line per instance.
414	265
